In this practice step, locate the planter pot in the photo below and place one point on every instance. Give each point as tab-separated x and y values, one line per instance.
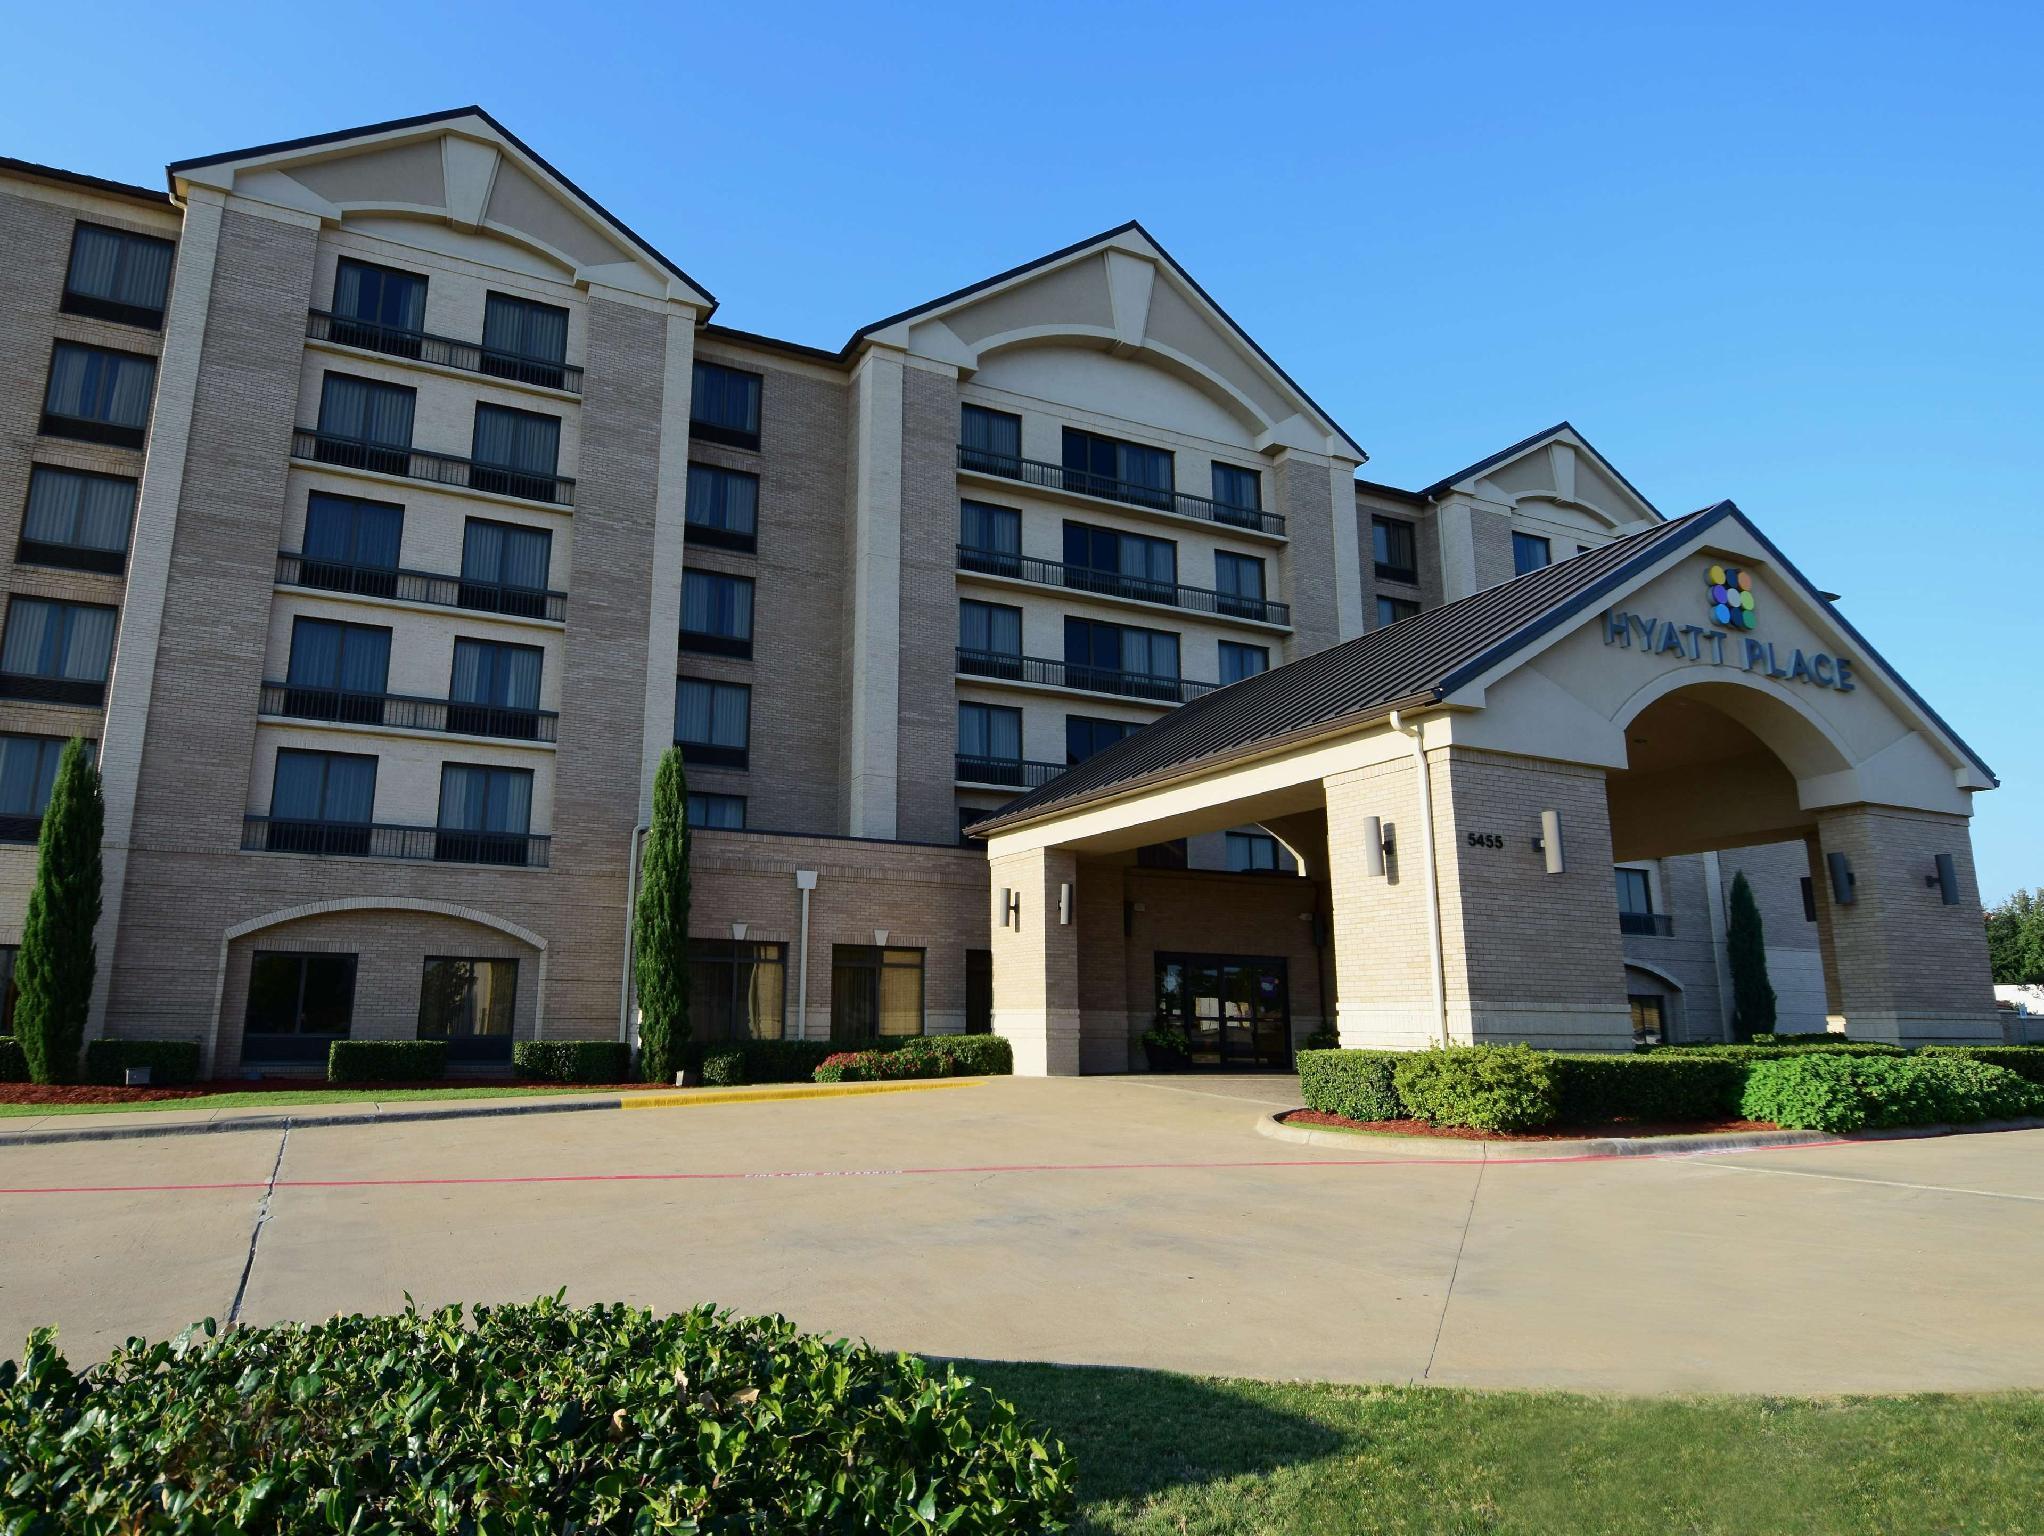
1166	1060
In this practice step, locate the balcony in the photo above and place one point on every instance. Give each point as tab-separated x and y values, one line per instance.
299	570
1646	925
1081	578
380	840
1005	772
1078	482
402	712
435	468
1041	670
442	351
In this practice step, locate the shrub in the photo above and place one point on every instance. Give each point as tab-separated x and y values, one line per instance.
1357	1084
168	1061
1486	1087
1828	1092
660	926
1646	1088
723	1067
766	1061
386	1061
13	1061
2026	1061
535	1417
1763	1052
1325	1038
572	1061
55	968
978	1055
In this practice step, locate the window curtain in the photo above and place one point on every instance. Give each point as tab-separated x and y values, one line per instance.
692	712
518	676
315	654
380	296
349	532
1150	652
366	412
95	262
722	498
31	623
517	440
296	793
730	716
1149	468
525	329
990	432
989	731
350	789
28	769
713	604
485	799
87	511
996	530
990	627
1237	576
1153	561
711	714
129	269
90	385
502	555
724	397
89	646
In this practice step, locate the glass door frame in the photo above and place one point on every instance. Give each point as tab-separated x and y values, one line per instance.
1252	1058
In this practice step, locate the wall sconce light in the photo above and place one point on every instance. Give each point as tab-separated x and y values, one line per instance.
1549	842
738	930
1379	844
879	938
1064	903
1946	880
1843	880
1011	908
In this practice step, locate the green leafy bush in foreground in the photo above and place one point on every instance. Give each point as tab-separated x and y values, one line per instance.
529	1419
1352	1083
386	1061
1487	1087
922	1056
572	1061
1828	1092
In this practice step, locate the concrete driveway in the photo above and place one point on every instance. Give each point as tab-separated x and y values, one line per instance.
1124	1221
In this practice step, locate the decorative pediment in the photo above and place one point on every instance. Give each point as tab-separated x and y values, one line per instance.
1557	467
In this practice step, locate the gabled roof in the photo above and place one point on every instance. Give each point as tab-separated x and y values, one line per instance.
1413	664
1523	445
79	179
430	119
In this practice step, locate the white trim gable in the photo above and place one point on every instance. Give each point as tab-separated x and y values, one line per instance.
1557	469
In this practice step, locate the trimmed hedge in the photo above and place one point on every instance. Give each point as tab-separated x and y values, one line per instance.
921	1056
2026	1061
1647	1088
13	1061
168	1061
1745	1052
1356	1084
723	1067
1485	1087
572	1061
1828	1092
386	1061
766	1061
528	1418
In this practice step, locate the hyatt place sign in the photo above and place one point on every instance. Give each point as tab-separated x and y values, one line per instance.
1730	601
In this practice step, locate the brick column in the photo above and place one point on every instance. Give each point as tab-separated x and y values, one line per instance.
1911	970
1036	962
1827	943
1383	961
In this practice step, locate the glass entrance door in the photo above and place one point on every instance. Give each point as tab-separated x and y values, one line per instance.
1235	1009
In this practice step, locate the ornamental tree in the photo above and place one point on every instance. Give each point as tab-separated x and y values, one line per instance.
54	971
1746	946
660	926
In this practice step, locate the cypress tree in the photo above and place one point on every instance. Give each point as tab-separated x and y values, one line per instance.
54	970
1746	946
660	926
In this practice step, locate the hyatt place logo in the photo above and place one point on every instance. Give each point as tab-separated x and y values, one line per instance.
1731	596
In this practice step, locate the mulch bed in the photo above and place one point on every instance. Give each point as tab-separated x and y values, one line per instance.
101	1093
1551	1133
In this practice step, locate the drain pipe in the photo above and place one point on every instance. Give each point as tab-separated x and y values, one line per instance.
624	989
805	882
1429	865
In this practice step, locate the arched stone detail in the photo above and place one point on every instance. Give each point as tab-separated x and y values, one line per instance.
1193	372
1810	735
1664	977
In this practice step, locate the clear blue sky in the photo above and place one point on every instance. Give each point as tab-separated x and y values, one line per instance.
1784	253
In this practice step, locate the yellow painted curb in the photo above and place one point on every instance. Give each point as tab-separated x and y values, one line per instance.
695	1096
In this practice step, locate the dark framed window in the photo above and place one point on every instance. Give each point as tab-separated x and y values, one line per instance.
76	520
1253	853
57	651
726	812
1649	1019
517	453
723	405
9	993
1113	467
1122	564
713	722
1636	912
1395	546
321	802
1087	734
28	770
968	816
525	340
118	275
471	1004
989	743
98	396
378	307
716	613
1171	855
337	671
990	441
1530	552
1237	487
1239	580
485	814
989	629
494	688
737	990
1239	661
504	567
1390	610
993	535
297	1004
365	423
875	993
351	545
723	507
1099	655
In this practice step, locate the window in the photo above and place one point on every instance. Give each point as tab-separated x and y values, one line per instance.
56	651
1529	553
28	770
1107	466
1171	855
1239	661
979	991
504	567
1116	658
98	396
736	990
723	507
1086	735
1253	853
990	744
116	275
1649	1020
525	340
968	817
76	520
713	722
351	545
875	993
337	671
716	613
1123	564
1239	579
321	802
494	689
725	812
378	307
1390	610
1237	487
724	406
1636	912
471	1005
990	538
365	424
990	636
990	441
485	814
1396	549
297	1003
516	452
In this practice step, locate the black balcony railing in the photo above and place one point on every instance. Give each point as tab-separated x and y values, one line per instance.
1648	925
1008	772
398	711
1055	477
300	570
438	468
71	557
1088	679
52	690
380	840
1084	578
445	351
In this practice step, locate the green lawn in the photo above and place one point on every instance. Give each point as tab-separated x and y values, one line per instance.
1188	1456
259	1098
